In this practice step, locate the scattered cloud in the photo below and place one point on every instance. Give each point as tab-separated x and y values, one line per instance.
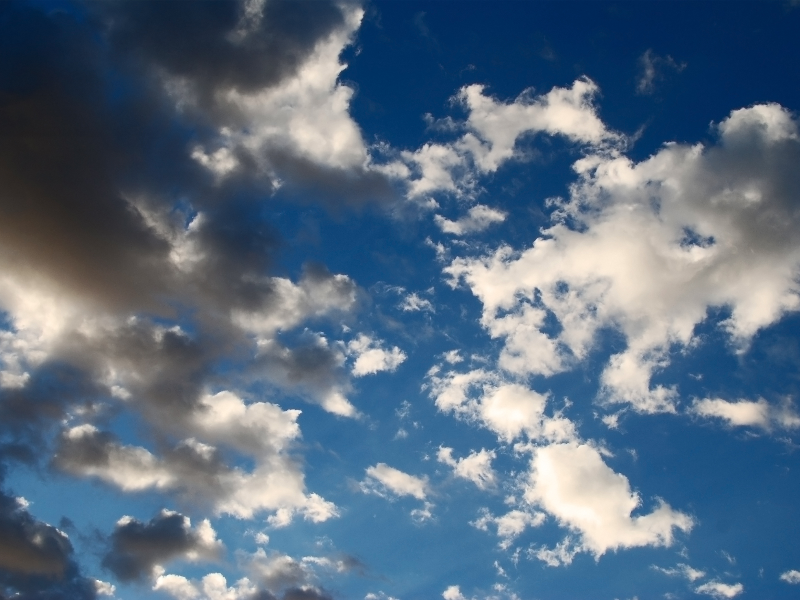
717	589
653	69
477	467
790	576
371	358
478	218
137	550
383	479
746	413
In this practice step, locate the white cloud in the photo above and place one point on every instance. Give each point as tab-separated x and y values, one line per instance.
453	592
745	413
791	576
382	478
648	248
103	588
717	589
413	302
652	68
371	358
307	114
478	218
213	586
493	129
572	483
510	525
261	431
682	570
507	409
477	467
314	296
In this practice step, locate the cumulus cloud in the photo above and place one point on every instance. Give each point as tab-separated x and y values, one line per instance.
717	589
477	467
746	413
138	548
371	358
510	525
477	219
271	576
493	129
37	559
649	248
195	471
507	409
383	479
790	576
572	483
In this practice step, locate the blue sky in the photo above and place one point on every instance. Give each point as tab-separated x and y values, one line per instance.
399	300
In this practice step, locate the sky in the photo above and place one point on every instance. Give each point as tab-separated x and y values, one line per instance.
394	300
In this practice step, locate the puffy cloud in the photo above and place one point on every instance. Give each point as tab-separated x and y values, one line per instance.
791	576
213	586
573	483
138	548
371	358
194	470
717	589
507	409
649	248
746	413
493	129
510	525
478	218
453	592
382	478
477	467
37	559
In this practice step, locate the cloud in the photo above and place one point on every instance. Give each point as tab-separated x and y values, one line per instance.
272	576
371	358
477	467
510	525
453	592
505	408
791	576
137	548
413	303
382	479
37	559
649	249
493	129
479	218
572	483
682	570
746	413
652	69
194	470
717	589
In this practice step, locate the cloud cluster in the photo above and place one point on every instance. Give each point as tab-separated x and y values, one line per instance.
195	468
139	549
36	559
649	249
567	479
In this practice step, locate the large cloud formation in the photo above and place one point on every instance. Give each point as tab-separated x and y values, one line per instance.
650	248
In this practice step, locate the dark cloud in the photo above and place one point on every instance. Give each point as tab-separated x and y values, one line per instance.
306	593
136	547
222	45
36	559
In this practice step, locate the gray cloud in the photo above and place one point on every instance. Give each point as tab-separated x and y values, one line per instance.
36	559
137	547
